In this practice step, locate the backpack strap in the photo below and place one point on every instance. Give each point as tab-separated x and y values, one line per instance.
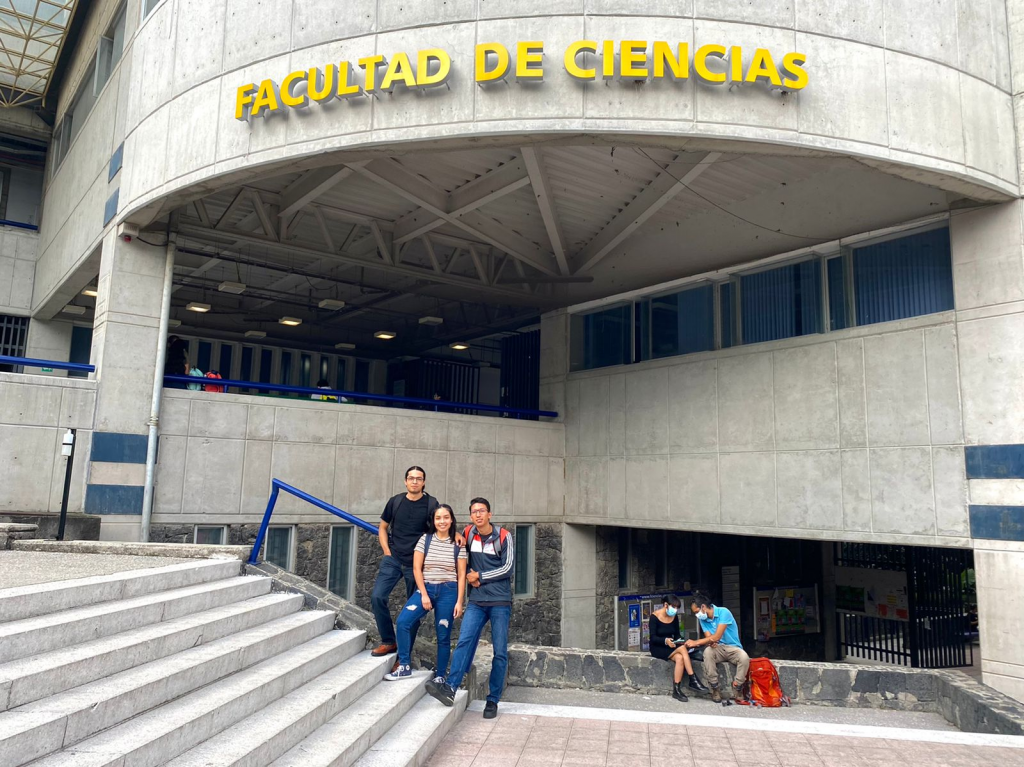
426	546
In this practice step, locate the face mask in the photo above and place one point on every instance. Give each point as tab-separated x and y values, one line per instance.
702	615
671	612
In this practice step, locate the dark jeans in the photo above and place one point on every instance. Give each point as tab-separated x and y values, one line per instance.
391	571
443	596
473	623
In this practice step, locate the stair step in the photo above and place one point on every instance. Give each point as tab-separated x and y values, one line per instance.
348	735
45	598
267	734
32	636
39	676
416	736
163	733
60	721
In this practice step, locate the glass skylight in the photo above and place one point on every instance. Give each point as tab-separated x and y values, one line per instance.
31	35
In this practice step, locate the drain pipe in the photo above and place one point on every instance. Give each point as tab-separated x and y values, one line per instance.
158	389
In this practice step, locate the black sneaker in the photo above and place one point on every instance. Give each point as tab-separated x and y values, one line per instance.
490	710
441	692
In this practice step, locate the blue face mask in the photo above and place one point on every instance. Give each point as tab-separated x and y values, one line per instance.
671	611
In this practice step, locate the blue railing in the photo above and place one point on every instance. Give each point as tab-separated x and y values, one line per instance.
29	362
276	486
307	391
19	225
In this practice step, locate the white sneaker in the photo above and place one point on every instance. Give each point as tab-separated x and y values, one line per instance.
402	672
438	680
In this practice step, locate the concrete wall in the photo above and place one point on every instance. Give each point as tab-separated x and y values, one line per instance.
35	411
17	269
218	453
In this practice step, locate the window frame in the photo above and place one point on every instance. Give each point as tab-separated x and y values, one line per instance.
352	557
530	563
147	13
631	304
223	538
644	346
291	546
105	69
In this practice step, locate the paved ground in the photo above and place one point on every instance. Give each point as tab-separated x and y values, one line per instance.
23	568
530	735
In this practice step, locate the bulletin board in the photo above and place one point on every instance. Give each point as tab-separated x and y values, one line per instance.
786	611
876	593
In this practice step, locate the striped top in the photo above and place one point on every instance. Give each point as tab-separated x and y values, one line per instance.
439	564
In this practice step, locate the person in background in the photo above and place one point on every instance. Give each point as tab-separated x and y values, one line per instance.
176	361
721	643
323	384
439	566
667	644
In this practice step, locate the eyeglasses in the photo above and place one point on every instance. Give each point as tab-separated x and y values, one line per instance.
415	479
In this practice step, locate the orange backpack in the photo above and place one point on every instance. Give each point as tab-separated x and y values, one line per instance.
763	688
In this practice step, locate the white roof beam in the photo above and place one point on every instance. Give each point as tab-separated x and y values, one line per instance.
309	187
541	190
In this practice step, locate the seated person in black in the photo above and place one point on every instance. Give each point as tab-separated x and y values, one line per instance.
667	644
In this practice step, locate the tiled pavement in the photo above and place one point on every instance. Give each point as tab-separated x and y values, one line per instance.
517	740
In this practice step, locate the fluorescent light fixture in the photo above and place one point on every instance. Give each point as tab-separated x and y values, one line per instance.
291	322
195	306
385	335
460	346
72	309
91	292
255	334
431	321
331	303
174	323
232	287
344	346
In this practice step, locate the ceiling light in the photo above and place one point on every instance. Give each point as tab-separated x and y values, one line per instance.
385	335
231	287
290	321
91	292
72	309
431	321
195	306
460	346
344	346
255	334
174	323
331	303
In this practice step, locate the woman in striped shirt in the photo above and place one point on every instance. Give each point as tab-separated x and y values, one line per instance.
439	566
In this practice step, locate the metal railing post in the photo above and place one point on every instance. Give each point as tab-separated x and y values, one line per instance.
271	503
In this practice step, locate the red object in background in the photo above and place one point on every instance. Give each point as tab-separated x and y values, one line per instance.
213	387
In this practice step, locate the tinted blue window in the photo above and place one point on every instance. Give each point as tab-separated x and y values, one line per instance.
838	314
266	364
305	370
681	323
286	368
903	278
781	303
245	374
81	349
726	314
225	361
203	357
600	339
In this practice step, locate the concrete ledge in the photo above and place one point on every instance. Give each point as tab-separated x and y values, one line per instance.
177	550
11	532
963	701
79	527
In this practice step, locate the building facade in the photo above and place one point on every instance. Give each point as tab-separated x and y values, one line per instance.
774	254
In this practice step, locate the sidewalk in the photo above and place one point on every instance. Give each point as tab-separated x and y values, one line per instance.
531	735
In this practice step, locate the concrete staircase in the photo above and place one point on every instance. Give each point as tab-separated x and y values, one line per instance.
193	665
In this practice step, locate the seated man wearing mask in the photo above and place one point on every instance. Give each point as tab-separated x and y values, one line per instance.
721	643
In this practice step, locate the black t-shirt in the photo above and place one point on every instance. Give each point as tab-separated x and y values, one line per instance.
407	521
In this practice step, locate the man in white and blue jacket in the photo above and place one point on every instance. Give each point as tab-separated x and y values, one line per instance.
491	567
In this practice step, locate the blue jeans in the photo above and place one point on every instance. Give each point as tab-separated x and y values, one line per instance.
390	573
443	596
473	623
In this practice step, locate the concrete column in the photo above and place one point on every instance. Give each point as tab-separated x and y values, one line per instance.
579	586
124	352
49	340
1000	580
554	361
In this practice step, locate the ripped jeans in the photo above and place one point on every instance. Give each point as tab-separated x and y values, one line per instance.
443	596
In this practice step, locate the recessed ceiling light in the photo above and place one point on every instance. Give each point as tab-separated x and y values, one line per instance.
344	346
460	346
195	306
91	292
174	323
72	309
232	287
255	334
331	303
431	321
290	321
385	335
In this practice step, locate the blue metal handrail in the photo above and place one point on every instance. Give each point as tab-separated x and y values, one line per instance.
276	486
30	362
19	225
228	383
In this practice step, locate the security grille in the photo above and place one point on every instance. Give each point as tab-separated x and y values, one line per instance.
13	332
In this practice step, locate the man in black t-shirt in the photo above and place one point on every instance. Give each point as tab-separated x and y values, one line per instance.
404	520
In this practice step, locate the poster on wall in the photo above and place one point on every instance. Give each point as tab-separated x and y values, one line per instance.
634	639
786	611
632	619
634	616
875	593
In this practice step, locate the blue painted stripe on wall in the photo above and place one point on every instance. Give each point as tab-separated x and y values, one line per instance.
995	461
113	499
116	161
111	447
999	523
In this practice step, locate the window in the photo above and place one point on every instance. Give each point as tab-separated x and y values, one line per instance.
286	368
74	118
524	561
781	303
602	338
838	306
225	360
204	355
625	575
266	364
341	381
278	548
13	334
362	382
210	535
680	323
81	349
341	561
305	370
148	6
111	46
727	315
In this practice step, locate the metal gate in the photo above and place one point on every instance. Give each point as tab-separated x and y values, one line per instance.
13	335
935	631
520	371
